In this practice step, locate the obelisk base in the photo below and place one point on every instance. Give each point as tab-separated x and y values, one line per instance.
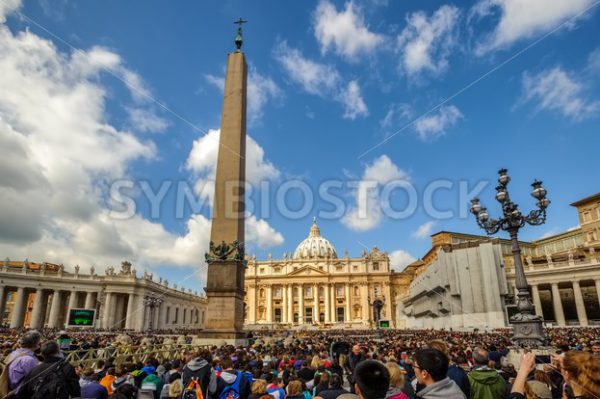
224	321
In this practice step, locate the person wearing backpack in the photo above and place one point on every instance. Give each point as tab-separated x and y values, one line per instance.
200	369
232	384
54	378
19	363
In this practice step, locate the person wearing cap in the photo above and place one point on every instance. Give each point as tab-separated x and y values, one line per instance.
90	386
21	361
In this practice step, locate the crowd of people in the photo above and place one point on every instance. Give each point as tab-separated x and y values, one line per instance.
396	364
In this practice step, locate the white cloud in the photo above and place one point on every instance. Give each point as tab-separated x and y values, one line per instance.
424	230
261	90
345	31
399	259
353	102
7	7
144	120
557	90
521	19
315	78
434	125
321	80
396	113
368	213
425	43
260	233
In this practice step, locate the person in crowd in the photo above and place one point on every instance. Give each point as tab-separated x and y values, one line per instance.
353	360
306	373
108	380
486	383
52	379
372	380
335	388
581	371
322	383
200	368
455	373
232	380
258	389
275	386
397	382
431	371
90	386
21	361
294	390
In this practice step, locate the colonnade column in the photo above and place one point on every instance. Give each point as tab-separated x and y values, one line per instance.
327	304
301	304
72	300
90	303
54	309
290	303
333	303
108	310
559	314
269	304
131	310
535	293
18	312
598	289
348	303
38	312
316	304
3	303
579	304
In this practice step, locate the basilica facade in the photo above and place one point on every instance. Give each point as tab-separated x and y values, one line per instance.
315	288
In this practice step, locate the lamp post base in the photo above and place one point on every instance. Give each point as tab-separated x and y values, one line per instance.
528	330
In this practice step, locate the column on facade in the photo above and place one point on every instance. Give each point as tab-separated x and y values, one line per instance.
131	309
158	311
388	301
38	311
284	306
251	305
18	312
90	301
364	288
301	304
269	303
327	304
54	309
107	318
290	303
333	303
315	303
348	303
3	303
559	314
579	304
537	302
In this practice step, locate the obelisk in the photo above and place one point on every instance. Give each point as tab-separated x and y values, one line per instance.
226	264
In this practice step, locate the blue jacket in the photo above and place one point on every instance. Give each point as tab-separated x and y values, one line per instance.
92	390
460	377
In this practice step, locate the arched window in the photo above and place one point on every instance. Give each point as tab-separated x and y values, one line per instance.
261	293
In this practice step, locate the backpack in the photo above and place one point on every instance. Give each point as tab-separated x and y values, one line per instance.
50	383
4	377
232	391
193	390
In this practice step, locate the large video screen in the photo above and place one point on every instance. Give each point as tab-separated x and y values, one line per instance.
81	317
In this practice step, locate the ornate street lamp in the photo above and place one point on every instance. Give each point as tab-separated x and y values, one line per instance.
528	327
152	302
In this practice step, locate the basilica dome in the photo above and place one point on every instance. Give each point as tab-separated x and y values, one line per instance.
315	246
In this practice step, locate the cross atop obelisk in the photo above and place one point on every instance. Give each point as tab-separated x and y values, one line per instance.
225	258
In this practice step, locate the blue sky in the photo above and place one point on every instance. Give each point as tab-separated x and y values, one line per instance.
345	92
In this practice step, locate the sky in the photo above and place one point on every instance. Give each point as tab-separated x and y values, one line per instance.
379	118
